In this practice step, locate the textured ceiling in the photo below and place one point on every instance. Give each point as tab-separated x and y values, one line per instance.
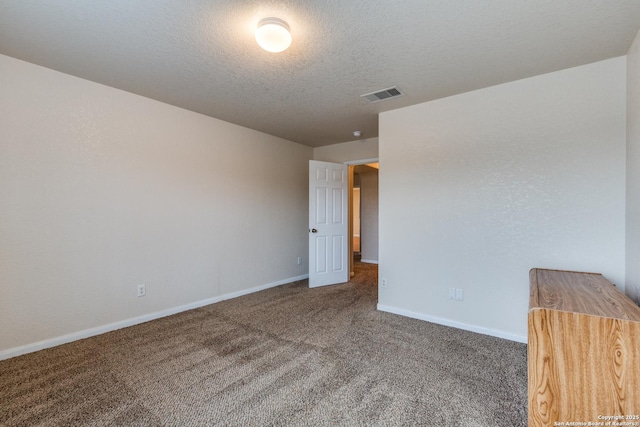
201	55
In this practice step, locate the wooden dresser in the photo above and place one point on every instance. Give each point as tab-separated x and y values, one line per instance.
584	351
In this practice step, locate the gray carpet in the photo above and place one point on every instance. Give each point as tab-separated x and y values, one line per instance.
285	356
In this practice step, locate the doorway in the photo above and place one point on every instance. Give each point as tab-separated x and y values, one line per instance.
363	212
331	242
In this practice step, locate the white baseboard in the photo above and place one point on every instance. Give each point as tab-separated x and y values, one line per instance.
369	261
64	339
454	324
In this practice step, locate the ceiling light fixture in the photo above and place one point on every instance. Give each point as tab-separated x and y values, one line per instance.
273	35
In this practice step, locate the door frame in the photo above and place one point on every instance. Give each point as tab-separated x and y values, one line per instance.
352	164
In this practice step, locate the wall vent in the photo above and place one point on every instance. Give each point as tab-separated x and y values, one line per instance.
383	94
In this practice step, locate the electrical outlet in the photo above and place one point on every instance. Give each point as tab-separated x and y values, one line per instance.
299	260
456	294
383	283
142	291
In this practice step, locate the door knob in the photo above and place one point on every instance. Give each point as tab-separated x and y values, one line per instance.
313	230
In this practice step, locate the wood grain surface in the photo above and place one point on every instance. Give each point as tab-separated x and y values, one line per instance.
584	349
587	293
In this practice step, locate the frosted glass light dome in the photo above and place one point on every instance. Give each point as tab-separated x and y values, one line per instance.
273	35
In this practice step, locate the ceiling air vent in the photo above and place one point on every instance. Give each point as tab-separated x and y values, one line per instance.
383	94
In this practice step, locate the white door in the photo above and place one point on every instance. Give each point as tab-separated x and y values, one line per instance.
328	223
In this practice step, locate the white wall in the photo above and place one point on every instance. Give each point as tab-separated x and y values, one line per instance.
477	189
347	151
369	214
101	190
633	171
